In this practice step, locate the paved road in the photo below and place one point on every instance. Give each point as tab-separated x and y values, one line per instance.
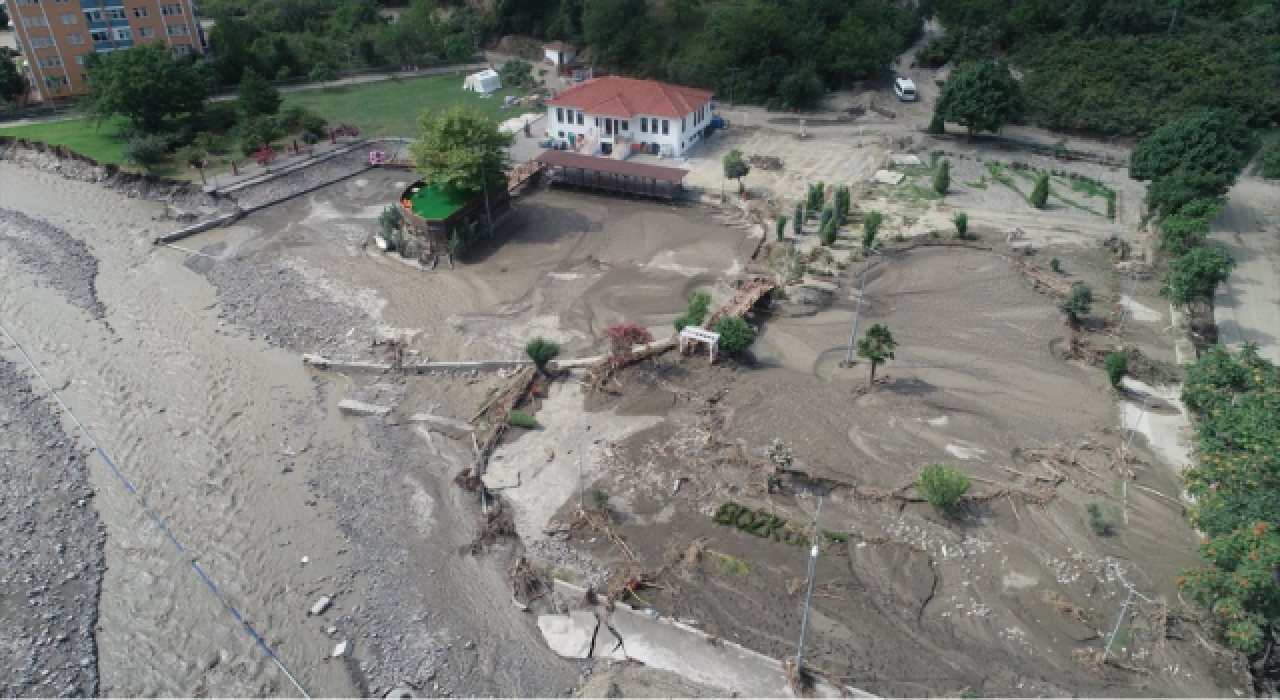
1247	307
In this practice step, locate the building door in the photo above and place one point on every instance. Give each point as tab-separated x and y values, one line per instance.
608	127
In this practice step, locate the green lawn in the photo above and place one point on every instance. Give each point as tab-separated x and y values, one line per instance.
391	107
80	135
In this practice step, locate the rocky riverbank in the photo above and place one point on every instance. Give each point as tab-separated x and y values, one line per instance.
51	549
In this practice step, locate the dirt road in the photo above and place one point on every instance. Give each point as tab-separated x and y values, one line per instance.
1247	307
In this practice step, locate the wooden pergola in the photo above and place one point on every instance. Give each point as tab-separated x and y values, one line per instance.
610	175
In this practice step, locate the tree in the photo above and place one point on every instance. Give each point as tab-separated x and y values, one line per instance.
683	8
322	73
461	149
942	486
540	352
12	85
937	125
609	26
961	221
516	73
735	168
1077	303
1194	276
146	150
1117	364
144	84
942	177
1206	142
735	335
797	221
256	96
870	227
780	227
877	346
1040	192
981	96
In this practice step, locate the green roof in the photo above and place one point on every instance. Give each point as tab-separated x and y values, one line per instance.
432	202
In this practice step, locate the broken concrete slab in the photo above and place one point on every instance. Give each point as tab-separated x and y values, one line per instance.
501	476
888	177
905	159
571	636
351	407
442	422
321	605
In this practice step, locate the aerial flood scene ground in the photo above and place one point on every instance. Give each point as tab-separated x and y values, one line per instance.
493	349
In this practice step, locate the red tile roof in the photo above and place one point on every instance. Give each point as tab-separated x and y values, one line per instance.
558	46
613	96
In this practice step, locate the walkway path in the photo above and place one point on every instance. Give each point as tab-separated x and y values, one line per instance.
1247	307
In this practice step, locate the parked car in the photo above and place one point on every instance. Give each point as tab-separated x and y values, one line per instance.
905	89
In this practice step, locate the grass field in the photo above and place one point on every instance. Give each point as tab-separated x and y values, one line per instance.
391	107
80	135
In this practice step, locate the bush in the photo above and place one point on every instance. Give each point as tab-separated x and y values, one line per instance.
1055	265
1099	523
210	142
521	419
1040	193
599	499
797	221
780	227
696	312
942	177
942	486
1117	364
540	352
870	227
1078	303
830	232
961	221
937	125
146	151
257	133
193	156
735	335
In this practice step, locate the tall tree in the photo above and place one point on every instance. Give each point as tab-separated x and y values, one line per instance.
735	168
144	84
461	149
1208	142
12	85
981	96
876	346
612	28
257	96
1195	275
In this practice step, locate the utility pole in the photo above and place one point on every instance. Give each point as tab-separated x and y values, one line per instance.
484	185
582	483
853	334
733	74
808	597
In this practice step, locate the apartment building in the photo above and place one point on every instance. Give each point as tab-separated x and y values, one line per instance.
56	36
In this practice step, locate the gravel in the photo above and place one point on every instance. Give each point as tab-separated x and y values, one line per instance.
54	257
322	173
51	550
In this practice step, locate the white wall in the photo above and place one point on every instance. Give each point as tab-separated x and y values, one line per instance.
676	141
554	56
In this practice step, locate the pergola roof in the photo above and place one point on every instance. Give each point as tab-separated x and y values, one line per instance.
611	166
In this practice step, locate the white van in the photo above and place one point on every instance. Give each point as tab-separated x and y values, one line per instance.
905	89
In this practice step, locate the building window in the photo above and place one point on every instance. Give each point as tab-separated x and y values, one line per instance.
30	22
80	59
560	115
644	124
62	2
626	126
100	35
146	32
77	39
93	15
597	122
666	125
55	81
20	3
123	34
177	29
70	18
579	118
140	12
180	50
682	124
116	14
41	42
561	134
51	62
171	10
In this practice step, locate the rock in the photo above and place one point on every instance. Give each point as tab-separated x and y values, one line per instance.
352	407
571	636
342	649
321	605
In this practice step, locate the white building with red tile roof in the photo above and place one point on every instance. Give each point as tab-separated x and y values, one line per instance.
617	116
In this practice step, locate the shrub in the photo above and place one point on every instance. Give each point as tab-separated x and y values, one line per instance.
146	151
780	227
1195	275
521	419
540	352
696	312
1111	205
1269	161
870	227
830	232
735	335
1117	364
210	142
1055	265
1040	193
942	486
1099	523
961	221
1077	304
623	337
193	156
942	177
600	499
937	125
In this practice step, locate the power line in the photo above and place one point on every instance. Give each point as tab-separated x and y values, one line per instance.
155	519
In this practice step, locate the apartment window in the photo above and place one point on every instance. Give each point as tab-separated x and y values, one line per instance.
80	59
93	15
116	14
177	29
560	115
30	22
666	125
644	124
626	126
76	39
20	3
579	118
171	10
55	81
100	35
70	18
180	50
146	32
42	42
597	122
62	2
51	62
140	12
561	134
123	34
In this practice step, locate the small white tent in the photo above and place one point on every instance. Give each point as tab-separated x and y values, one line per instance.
486	80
